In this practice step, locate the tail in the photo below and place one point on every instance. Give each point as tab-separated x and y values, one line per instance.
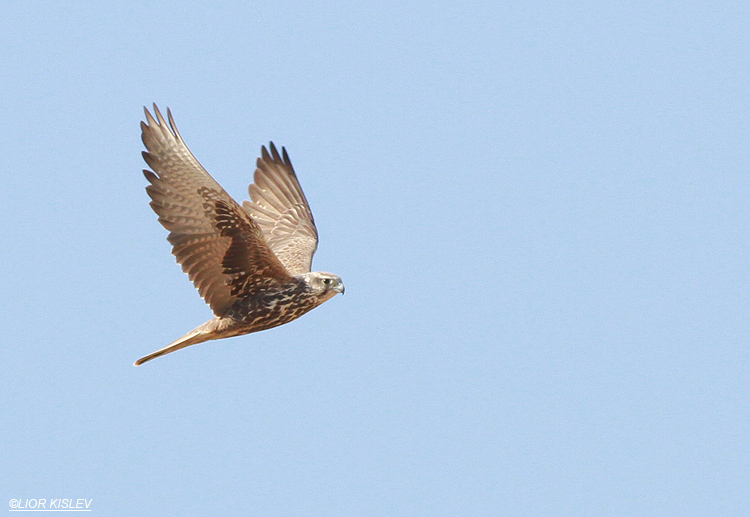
202	333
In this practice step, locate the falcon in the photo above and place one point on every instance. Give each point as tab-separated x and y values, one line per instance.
250	262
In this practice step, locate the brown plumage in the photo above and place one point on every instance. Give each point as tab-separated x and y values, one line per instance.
250	263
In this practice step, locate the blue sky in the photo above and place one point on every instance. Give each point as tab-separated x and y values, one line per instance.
539	210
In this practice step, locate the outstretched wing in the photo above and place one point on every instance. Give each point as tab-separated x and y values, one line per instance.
220	248
280	208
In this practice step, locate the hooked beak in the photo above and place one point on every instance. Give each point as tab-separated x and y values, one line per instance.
339	288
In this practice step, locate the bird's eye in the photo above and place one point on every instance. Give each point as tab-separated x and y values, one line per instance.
326	281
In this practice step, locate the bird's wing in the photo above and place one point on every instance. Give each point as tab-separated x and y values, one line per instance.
280	208
220	248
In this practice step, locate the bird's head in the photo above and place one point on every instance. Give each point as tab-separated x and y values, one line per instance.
322	284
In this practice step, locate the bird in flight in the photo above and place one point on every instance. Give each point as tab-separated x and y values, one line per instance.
250	262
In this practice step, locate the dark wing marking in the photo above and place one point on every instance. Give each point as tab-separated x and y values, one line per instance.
280	208
220	248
